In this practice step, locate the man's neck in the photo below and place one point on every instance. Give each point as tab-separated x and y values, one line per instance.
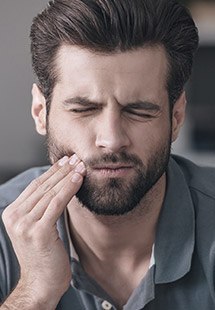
121	243
103	236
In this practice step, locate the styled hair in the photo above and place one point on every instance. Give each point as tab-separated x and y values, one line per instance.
110	26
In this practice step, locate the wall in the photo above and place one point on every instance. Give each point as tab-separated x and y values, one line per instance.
20	146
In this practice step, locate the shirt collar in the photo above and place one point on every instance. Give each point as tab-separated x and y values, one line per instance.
175	237
72	251
174	245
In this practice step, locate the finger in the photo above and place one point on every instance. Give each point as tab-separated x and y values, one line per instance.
33	186
46	189
60	201
42	185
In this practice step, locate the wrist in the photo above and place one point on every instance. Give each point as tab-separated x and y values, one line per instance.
38	297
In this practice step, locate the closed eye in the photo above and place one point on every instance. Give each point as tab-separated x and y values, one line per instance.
143	110
140	113
91	109
80	105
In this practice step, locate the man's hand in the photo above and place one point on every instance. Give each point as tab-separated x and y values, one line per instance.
30	221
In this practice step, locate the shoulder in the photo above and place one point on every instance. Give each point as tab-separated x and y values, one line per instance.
201	184
10	190
200	179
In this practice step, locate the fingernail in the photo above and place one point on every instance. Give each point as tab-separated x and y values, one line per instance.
73	159
76	178
63	160
80	168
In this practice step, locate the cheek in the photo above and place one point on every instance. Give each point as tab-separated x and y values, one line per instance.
151	137
74	137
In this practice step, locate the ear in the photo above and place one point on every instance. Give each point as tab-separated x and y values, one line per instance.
178	115
38	110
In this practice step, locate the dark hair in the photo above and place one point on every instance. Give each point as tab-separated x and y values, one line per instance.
108	26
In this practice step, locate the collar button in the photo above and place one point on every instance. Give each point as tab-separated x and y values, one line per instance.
106	305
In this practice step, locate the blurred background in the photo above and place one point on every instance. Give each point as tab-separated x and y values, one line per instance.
21	147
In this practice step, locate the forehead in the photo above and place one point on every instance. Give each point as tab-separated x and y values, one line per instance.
122	74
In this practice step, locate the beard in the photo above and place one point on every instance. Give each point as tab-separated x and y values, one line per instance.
115	196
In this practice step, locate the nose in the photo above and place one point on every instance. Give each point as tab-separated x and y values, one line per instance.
111	133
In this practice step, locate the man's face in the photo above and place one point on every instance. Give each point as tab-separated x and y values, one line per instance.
113	112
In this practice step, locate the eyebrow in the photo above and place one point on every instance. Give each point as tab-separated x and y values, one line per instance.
141	105
80	100
144	105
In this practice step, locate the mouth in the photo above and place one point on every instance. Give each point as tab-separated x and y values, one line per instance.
112	170
112	166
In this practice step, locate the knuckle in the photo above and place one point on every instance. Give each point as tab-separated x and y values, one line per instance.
51	193
9	217
65	170
56	202
54	168
41	236
26	203
36	183
21	229
46	187
5	216
10	221
24	230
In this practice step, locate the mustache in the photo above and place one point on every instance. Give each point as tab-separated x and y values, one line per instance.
114	158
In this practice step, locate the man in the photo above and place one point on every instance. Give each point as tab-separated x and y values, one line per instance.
115	222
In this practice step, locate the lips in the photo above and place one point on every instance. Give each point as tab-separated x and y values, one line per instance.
111	167
112	170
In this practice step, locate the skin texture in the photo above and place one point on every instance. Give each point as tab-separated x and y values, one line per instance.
106	126
31	225
117	194
98	109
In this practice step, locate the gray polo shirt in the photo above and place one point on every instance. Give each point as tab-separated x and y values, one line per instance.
183	276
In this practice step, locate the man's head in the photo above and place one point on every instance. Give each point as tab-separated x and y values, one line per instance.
111	77
109	26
